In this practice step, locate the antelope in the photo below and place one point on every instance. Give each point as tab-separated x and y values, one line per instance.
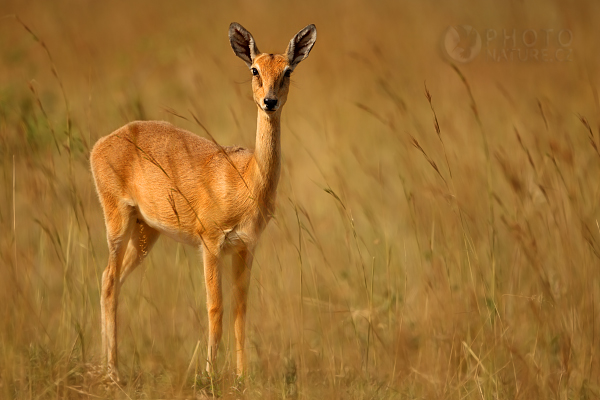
153	178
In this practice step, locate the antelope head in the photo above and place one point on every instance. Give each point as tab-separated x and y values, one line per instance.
271	72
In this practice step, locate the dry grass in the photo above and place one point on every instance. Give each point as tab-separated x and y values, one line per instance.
438	242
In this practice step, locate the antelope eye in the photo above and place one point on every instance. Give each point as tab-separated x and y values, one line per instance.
288	73
254	71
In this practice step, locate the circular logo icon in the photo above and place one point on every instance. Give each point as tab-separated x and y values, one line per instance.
461	43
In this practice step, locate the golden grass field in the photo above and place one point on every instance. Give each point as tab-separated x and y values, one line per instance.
402	262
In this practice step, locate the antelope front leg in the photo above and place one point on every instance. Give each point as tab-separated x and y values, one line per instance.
242	265
214	304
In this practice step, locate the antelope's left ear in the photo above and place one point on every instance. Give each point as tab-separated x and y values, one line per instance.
301	44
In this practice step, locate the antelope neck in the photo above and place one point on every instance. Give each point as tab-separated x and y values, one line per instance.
267	152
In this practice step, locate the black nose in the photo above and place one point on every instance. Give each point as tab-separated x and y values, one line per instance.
270	103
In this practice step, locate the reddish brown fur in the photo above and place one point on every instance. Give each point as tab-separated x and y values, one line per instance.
154	178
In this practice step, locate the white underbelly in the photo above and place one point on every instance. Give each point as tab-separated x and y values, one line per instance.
179	235
237	239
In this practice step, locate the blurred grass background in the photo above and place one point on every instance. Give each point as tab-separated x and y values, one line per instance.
401	263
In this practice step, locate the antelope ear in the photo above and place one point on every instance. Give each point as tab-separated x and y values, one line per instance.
301	44
242	43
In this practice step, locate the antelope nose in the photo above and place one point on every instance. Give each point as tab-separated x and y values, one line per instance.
271	103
